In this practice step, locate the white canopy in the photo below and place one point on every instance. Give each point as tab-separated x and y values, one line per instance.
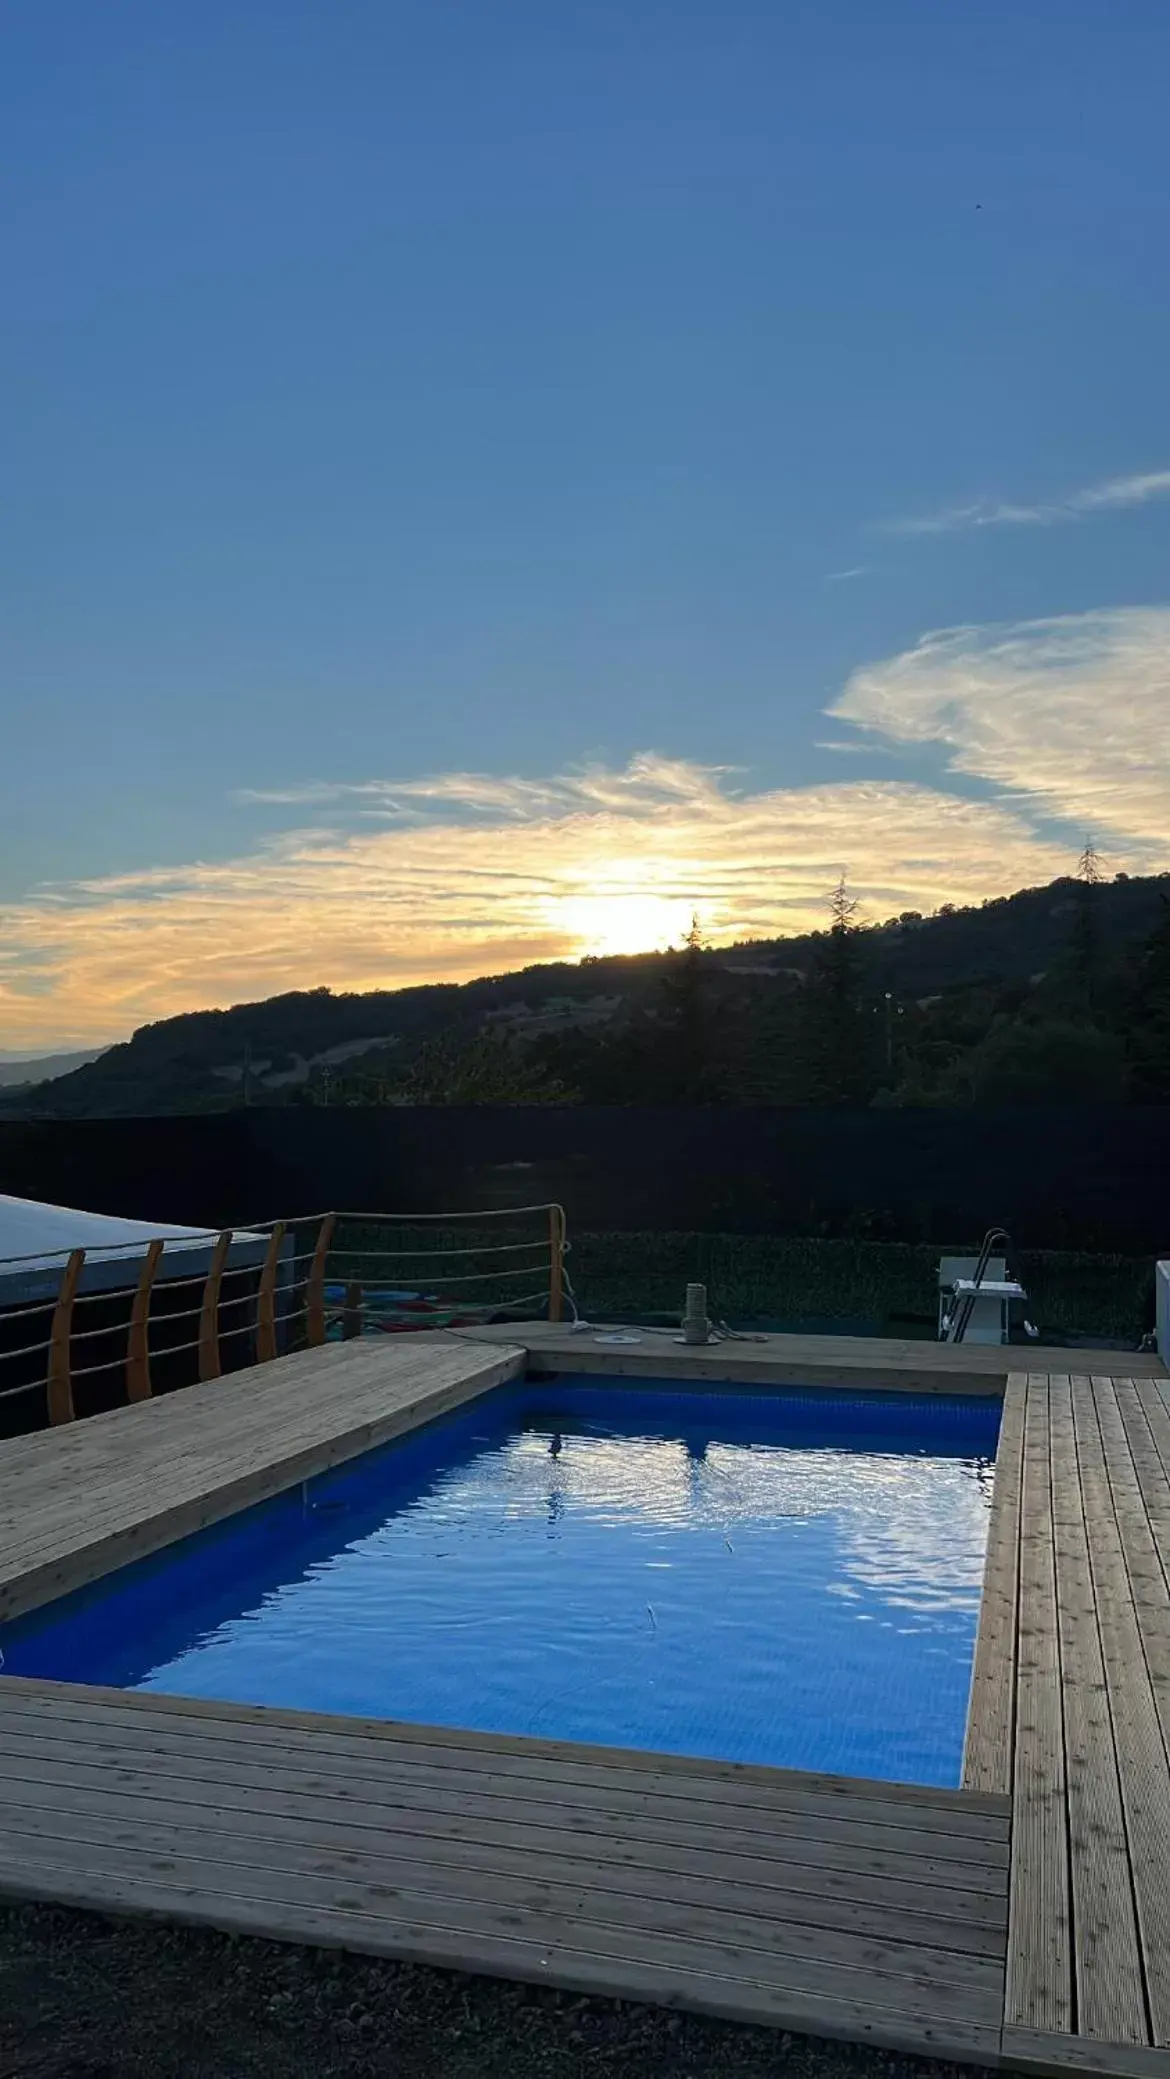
36	1239
30	1230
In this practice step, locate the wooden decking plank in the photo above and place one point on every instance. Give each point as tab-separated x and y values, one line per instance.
973	1894
1039	1974
145	1484
672	1975
1139	1497
816	1952
1063	2057
221	1410
1149	1420
1110	2001
916	1914
1151	1464
840	1363
222	1413
1155	1401
230	1436
987	1756
277	1726
1144	1697
195	1782
703	1800
611	1927
1141	1754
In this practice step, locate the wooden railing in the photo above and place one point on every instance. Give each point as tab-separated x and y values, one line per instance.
311	1283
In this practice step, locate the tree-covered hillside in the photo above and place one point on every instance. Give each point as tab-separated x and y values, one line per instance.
1051	994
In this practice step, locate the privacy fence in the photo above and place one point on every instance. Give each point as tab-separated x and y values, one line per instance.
1084	1178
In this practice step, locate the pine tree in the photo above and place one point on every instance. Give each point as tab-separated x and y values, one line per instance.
838	1023
683	1037
1086	948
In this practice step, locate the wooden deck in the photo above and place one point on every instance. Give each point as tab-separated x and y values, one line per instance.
847	1909
1070	1715
855	1363
79	1500
1023	1920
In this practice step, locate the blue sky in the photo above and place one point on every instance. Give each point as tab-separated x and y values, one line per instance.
403	391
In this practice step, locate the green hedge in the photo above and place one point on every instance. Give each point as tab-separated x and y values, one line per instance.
863	1287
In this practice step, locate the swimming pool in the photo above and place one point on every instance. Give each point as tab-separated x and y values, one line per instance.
774	1577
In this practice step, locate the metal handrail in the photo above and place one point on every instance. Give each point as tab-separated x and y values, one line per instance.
966	1306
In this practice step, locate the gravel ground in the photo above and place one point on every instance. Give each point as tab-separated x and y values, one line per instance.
82	1997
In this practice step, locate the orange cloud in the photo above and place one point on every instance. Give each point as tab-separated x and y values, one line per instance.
462	874
607	861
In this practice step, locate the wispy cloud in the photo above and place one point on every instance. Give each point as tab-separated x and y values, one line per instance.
316	794
1113	496
841	577
1068	716
649	781
854	747
622	857
480	873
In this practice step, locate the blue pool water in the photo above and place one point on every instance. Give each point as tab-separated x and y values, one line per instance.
786	1578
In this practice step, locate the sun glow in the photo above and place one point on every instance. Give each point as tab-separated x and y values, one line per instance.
621	922
387	883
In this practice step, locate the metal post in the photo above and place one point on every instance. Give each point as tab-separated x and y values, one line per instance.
556	1269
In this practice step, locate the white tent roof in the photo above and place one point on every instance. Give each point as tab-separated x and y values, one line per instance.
36	1240
32	1231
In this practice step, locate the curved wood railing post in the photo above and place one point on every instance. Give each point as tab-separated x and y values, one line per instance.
315	1287
556	1269
59	1384
209	1355
266	1296
138	1339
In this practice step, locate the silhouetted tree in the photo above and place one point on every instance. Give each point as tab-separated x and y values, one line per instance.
838	1036
1147	1018
684	1042
488	1068
1086	946
1042	1061
671	1049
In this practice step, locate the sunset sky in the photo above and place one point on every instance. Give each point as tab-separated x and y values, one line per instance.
482	481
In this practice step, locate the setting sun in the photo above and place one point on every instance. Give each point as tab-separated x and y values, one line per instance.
622	922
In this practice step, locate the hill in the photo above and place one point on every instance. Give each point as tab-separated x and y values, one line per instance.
948	977
24	1070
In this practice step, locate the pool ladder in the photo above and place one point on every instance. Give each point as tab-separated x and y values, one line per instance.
956	1319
